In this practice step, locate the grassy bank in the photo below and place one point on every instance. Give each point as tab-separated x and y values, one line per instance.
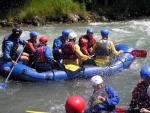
41	12
43	8
113	9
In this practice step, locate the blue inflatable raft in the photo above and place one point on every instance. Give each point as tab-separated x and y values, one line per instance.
26	73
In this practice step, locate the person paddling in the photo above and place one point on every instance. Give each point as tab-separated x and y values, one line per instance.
10	45
43	58
31	45
87	41
104	49
103	98
140	97
58	43
71	52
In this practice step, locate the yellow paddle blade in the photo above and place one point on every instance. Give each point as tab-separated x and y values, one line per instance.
71	67
29	111
101	62
97	101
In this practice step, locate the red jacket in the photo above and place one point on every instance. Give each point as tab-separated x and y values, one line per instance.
140	97
85	44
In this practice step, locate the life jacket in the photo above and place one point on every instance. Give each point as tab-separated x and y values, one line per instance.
27	49
89	42
68	51
15	46
40	55
85	44
96	101
84	40
102	49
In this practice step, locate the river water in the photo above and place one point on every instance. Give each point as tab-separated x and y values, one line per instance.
50	97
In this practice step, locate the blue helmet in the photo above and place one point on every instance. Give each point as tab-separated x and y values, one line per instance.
65	33
104	32
33	34
90	30
145	72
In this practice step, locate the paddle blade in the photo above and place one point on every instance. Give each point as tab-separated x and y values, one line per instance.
120	110
3	85
29	111
139	53
71	67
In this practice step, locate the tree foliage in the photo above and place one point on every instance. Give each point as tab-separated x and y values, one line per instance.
120	7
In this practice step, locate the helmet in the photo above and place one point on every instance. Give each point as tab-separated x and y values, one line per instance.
33	34
43	39
72	35
65	33
75	104
96	80
16	31
145	72
104	32
90	30
148	91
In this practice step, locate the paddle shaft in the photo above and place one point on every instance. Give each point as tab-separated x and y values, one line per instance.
13	67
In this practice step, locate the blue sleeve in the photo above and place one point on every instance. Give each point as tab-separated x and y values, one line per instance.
113	98
98	107
57	45
48	53
21	41
7	49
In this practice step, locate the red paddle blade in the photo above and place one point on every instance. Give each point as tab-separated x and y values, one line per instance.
120	110
139	53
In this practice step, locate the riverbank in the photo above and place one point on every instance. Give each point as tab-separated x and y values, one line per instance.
32	12
72	18
37	21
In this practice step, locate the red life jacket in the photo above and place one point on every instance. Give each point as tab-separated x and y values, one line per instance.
68	51
85	44
83	40
40	55
90	42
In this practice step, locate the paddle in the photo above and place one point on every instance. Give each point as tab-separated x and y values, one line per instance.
138	53
71	67
122	110
29	111
4	84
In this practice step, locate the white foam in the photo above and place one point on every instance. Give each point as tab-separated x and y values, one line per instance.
120	30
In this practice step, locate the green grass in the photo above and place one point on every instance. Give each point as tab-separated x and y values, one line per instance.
53	8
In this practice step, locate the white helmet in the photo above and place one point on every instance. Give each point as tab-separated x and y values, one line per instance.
72	35
96	80
148	91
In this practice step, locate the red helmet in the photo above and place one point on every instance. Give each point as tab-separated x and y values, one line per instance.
43	39
75	104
